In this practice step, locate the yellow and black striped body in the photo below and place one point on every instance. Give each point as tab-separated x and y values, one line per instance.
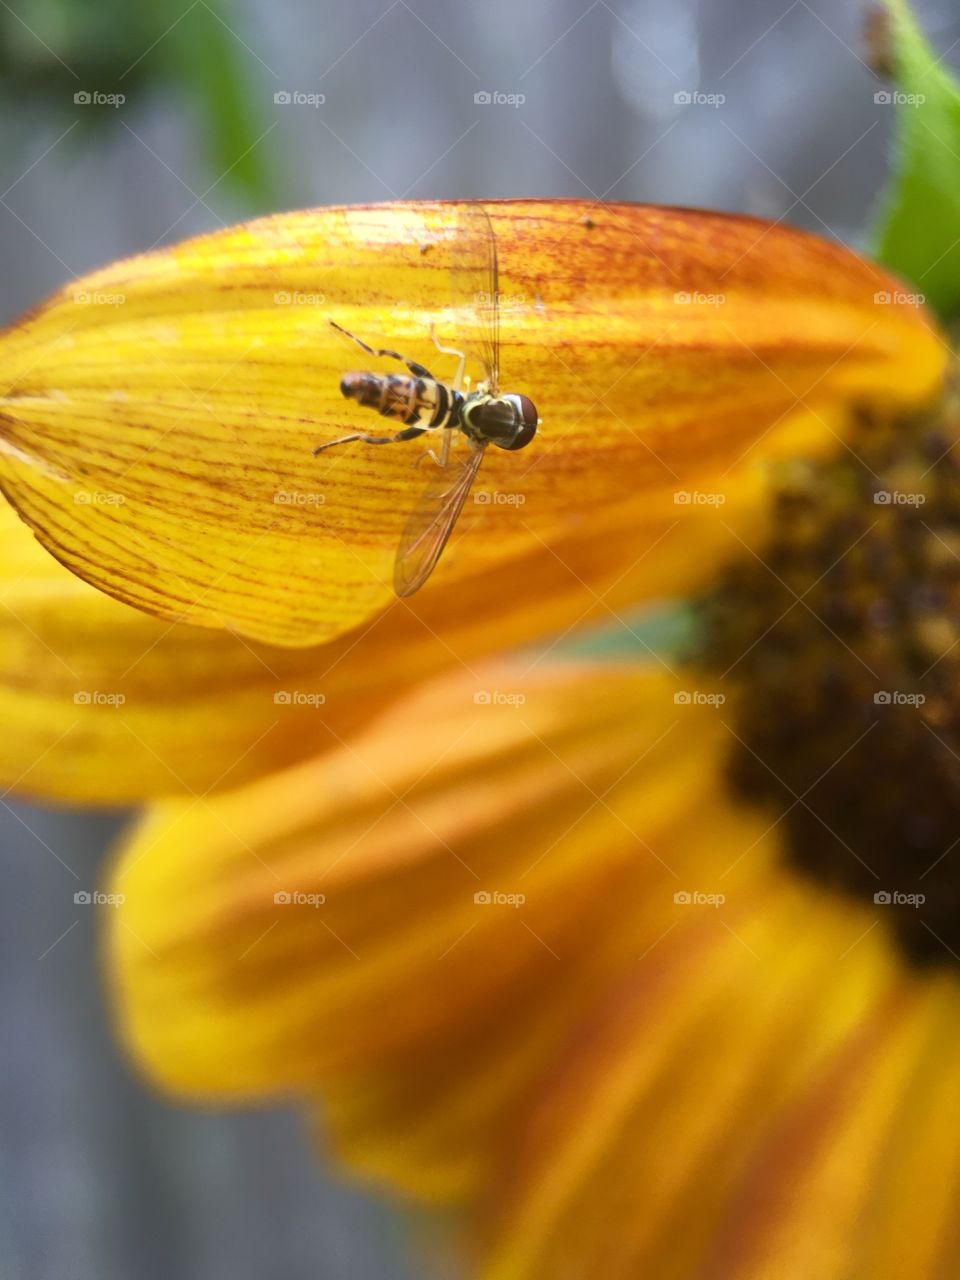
414	401
423	404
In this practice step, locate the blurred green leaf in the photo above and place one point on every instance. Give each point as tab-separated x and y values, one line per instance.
228	84
648	632
50	49
917	233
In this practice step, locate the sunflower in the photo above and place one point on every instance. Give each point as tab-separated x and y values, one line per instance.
633	949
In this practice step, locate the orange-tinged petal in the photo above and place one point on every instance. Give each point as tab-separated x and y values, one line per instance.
108	704
768	1123
157	418
918	1230
422	1014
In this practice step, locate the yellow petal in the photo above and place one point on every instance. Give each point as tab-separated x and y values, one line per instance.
157	418
766	1120
105	703
421	1013
100	702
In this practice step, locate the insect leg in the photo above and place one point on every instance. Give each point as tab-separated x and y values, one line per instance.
408	433
450	351
441	458
418	370
445	447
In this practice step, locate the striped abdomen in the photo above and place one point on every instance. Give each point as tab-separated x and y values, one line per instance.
413	401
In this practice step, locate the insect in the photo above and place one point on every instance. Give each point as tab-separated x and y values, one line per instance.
427	406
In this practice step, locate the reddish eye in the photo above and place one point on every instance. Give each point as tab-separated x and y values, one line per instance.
525	423
528	411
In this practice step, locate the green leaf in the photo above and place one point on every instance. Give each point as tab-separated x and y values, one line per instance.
229	87
116	46
917	233
666	633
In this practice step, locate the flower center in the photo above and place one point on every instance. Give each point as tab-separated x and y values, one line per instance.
840	646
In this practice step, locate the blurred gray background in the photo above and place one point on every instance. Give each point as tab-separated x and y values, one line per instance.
99	1179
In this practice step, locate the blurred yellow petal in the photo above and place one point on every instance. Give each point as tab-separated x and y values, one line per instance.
100	702
105	703
768	1123
157	418
421	1011
522	951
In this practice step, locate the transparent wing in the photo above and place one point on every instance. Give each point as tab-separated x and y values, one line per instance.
431	521
475	281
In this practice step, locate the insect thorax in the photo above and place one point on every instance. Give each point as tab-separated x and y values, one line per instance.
488	419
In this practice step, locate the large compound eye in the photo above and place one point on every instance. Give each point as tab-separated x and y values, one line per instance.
527	424
528	413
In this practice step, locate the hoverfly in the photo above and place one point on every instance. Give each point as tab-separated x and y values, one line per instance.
428	406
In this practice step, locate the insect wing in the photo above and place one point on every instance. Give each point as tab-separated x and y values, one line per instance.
431	522
475	284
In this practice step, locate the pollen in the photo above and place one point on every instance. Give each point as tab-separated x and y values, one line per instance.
839	645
